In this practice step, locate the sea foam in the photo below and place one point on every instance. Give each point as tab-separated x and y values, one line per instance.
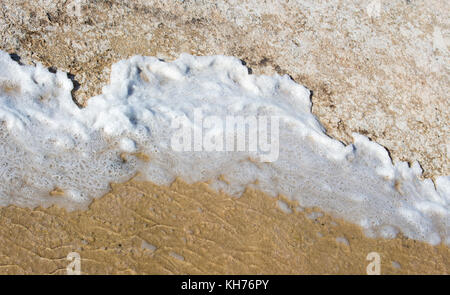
53	152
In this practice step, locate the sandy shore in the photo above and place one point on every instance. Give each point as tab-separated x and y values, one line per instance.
141	228
384	75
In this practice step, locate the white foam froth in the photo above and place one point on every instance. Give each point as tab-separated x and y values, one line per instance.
47	142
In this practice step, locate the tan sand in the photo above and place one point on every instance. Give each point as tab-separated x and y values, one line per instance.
142	228
382	75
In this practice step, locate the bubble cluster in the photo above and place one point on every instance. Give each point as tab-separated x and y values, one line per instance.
52	152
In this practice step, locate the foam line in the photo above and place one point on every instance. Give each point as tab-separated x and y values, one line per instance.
52	152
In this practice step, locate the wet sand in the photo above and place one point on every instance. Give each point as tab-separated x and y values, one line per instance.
383	75
142	228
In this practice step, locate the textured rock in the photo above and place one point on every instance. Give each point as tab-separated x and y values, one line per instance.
376	67
383	73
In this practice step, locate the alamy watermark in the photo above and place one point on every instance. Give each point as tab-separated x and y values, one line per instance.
258	135
374	267
439	41
373	9
74	8
74	267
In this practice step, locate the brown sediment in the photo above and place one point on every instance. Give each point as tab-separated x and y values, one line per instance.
143	228
9	87
57	192
140	155
393	90
398	186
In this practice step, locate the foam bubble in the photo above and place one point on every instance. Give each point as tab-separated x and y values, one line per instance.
48	144
127	145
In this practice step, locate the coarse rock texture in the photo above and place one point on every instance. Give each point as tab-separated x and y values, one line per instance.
380	68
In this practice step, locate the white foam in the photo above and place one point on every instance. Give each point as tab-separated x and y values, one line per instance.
342	240
127	145
284	207
46	142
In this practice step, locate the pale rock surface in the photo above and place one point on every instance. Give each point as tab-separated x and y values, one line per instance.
380	68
